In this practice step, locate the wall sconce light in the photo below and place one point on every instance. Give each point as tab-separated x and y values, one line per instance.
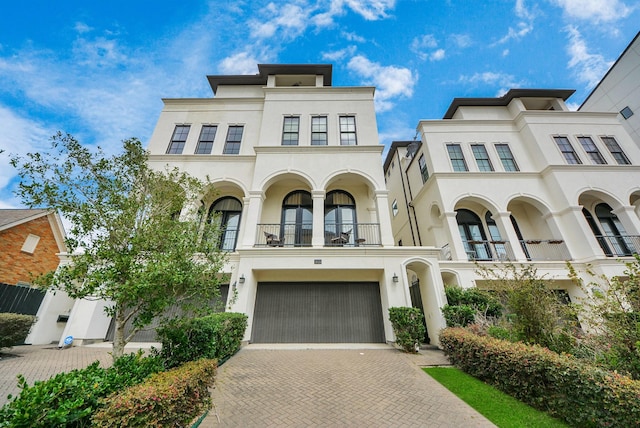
241	279
395	277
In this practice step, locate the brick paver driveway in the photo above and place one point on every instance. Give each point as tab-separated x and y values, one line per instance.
380	387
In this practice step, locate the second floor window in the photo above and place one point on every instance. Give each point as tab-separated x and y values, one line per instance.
506	157
205	143
348	131
457	158
234	137
592	150
482	157
319	131
290	131
423	168
567	150
616	150
178	140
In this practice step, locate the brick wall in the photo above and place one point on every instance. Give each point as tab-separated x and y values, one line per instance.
16	265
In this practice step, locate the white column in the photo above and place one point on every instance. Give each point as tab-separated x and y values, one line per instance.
382	205
456	246
317	239
577	234
251	212
503	221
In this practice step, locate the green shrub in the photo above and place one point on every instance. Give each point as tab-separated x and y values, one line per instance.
167	399
69	399
458	316
14	328
463	304
216	336
408	326
565	387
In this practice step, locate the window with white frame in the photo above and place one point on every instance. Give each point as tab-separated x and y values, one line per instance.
394	207
205	142
592	150
290	131
615	150
178	139
482	157
30	244
506	157
626	112
319	131
348	131
424	173
234	138
457	158
567	150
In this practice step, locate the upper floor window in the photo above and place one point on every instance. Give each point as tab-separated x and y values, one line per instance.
506	157
482	157
178	139
423	168
616	150
567	150
394	207
226	212
592	150
290	131
348	130
234	137
457	158
626	112
205	143
319	131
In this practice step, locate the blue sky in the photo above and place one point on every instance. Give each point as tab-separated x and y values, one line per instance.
98	70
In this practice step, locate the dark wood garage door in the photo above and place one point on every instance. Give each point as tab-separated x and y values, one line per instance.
326	312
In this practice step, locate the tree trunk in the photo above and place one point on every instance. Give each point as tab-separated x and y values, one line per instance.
119	338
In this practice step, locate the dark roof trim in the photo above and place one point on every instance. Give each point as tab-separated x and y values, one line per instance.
506	98
610	69
265	70
392	151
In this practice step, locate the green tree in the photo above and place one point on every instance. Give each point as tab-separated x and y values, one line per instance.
465	305
612	314
134	241
534	311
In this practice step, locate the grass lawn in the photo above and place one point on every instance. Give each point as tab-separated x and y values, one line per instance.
500	408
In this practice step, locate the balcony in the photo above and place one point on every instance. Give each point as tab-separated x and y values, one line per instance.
488	250
335	235
619	245
545	249
352	235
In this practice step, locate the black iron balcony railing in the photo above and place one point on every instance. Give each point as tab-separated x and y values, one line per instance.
619	245
545	249
335	235
488	250
352	234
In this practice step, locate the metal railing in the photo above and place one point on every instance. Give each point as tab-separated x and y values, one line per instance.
284	235
545	249
619	245
352	235
488	250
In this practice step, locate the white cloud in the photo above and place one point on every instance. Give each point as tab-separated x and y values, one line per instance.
370	10
423	45
589	67
503	81
505	52
81	27
594	10
522	28
287	20
390	81
461	40
437	55
339	54
353	37
240	63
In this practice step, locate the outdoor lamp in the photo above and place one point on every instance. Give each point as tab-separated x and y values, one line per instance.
395	277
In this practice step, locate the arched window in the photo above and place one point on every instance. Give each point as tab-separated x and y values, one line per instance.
473	235
227	212
297	219
613	233
500	247
340	218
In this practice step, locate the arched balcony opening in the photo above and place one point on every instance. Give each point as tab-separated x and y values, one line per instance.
340	219
296	227
609	231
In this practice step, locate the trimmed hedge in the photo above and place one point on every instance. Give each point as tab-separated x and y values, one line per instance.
408	326
14	328
580	394
216	336
167	399
69	399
